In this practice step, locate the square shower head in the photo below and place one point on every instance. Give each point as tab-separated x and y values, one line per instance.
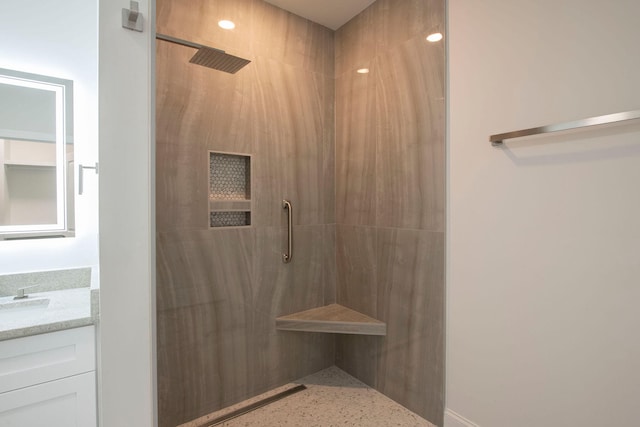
218	60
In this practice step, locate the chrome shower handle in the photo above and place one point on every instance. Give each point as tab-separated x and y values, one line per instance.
286	257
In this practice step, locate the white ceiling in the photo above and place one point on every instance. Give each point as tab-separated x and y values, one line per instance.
330	13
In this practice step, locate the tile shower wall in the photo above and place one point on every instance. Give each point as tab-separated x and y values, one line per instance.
382	182
219	291
390	198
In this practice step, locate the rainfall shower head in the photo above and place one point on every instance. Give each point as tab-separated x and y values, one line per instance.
218	60
210	57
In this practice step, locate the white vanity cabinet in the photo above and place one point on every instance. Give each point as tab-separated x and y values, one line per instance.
49	379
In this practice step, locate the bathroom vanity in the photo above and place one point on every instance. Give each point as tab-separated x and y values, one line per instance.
49	377
48	349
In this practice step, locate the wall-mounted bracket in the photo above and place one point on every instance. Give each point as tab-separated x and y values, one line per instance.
81	169
132	18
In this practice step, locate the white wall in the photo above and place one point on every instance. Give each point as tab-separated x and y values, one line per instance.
61	39
58	39
127	219
544	234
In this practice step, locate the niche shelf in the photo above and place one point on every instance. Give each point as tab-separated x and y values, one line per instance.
332	318
229	190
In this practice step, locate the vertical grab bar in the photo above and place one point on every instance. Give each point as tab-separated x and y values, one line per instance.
286	257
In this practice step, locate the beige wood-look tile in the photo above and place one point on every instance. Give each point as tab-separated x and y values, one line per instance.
329	153
281	288
292	40
198	379
411	292
201	344
197	21
261	29
205	317
356	288
358	355
284	355
410	112
172	94
355	261
401	20
199	267
171	412
219	329
355	42
289	153
198	106
329	263
355	149
181	188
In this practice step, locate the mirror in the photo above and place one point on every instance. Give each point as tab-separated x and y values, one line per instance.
36	156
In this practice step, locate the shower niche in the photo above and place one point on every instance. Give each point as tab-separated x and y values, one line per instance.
229	190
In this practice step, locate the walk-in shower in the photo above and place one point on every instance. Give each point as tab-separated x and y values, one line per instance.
361	157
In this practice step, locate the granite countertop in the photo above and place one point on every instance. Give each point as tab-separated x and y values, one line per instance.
65	309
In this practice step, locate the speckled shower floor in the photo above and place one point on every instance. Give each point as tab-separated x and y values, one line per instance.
332	398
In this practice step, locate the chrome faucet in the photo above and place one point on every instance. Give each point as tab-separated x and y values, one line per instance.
21	295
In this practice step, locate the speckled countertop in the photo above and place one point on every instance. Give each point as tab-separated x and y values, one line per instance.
65	309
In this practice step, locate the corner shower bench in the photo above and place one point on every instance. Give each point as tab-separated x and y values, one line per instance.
332	318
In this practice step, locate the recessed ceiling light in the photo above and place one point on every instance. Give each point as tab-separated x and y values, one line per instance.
435	37
363	70
227	25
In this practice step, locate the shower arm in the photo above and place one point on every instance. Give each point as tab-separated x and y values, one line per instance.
184	42
209	57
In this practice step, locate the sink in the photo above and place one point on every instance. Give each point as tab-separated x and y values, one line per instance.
31	307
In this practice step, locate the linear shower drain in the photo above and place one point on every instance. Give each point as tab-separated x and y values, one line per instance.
253	406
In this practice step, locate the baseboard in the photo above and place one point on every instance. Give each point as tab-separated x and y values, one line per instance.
453	419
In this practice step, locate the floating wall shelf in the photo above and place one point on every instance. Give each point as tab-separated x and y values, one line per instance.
332	318
230	205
